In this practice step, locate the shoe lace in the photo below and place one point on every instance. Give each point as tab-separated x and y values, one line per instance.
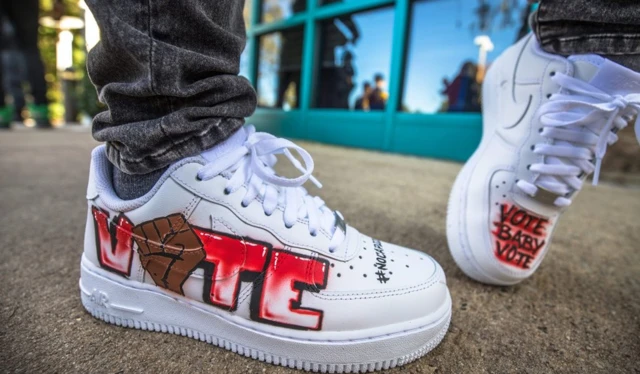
251	165
581	122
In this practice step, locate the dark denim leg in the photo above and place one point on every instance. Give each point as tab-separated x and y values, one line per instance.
610	28
23	15
168	72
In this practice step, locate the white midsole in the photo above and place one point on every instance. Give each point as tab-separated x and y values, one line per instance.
124	299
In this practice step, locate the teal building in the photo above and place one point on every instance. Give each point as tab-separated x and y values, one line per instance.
399	76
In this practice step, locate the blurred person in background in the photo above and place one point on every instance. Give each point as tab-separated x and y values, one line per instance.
290	63
463	94
23	17
337	83
378	97
362	103
13	73
336	72
290	68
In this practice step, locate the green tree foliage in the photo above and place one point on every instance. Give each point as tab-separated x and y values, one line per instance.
85	93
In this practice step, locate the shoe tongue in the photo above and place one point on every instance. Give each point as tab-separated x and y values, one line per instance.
606	75
327	219
234	141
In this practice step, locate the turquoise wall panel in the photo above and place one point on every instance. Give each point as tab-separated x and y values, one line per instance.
353	129
446	136
278	122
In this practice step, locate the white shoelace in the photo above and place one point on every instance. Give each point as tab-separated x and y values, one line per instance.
251	165
581	122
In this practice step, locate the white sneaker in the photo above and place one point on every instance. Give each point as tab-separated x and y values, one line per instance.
230	253
547	123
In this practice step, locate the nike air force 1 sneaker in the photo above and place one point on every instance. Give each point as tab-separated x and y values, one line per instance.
226	251
547	122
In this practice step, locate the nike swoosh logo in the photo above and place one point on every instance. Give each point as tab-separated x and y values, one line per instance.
511	118
508	120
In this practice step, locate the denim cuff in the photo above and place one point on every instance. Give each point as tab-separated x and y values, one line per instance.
568	30
166	141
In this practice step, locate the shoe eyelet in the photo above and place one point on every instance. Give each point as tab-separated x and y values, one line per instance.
533	147
529	167
540	130
243	204
226	191
287	226
314	234
552	73
198	178
548	96
268	214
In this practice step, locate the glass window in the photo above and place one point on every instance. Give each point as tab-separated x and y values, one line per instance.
324	2
276	10
246	13
279	69
355	59
244	63
244	57
450	47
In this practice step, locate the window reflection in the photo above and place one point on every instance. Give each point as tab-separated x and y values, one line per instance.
324	2
244	57
279	68
450	47
276	10
244	63
355	60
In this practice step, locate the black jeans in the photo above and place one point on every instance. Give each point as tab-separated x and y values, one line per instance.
610	28
168	72
23	16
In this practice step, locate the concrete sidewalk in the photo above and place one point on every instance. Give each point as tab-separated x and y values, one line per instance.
579	313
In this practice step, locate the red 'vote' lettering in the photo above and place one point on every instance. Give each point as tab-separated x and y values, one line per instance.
518	218
113	242
519	236
287	275
279	278
231	258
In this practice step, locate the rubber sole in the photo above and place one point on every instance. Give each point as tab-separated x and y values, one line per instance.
456	239
131	304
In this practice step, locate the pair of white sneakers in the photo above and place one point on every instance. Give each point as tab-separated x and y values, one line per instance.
224	250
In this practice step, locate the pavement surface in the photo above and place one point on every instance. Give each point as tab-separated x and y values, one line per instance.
580	313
